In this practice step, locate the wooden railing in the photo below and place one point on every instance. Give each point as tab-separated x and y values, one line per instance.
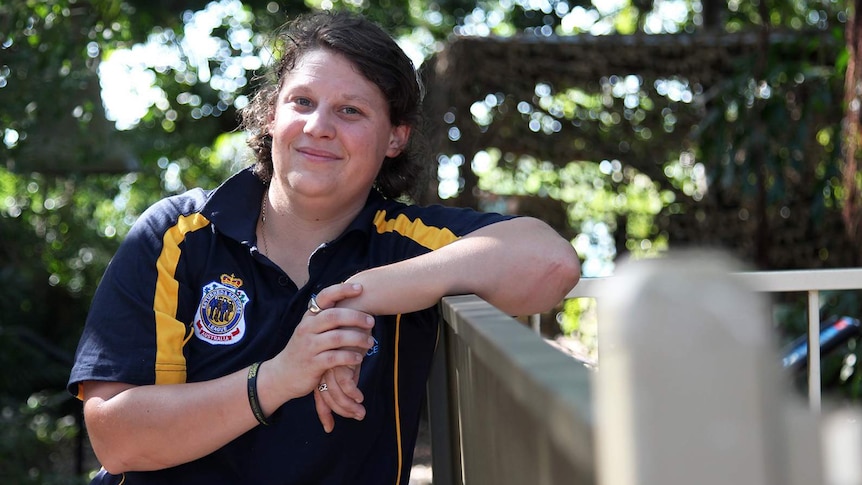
505	407
689	388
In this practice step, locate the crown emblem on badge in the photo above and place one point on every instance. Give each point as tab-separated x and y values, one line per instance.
231	281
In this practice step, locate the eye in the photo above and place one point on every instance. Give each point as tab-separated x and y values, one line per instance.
350	110
299	103
302	101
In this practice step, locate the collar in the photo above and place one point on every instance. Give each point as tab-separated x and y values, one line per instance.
234	206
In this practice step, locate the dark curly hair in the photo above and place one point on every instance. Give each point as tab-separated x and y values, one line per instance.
378	58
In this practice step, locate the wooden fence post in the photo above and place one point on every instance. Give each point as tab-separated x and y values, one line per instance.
842	444
689	389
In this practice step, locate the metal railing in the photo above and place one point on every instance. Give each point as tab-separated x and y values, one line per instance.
507	408
812	282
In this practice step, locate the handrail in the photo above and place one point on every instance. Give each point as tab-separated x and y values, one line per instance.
518	410
764	281
507	408
810	281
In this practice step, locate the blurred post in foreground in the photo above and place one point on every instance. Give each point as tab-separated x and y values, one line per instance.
689	388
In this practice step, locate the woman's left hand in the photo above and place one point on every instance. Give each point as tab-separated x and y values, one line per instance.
341	395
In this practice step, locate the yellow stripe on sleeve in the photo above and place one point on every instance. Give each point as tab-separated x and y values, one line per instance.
170	332
428	236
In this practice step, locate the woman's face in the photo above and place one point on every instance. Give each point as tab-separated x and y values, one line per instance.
331	129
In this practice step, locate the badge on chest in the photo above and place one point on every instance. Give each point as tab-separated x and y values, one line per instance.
220	318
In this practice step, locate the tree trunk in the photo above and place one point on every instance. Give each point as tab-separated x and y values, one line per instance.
852	211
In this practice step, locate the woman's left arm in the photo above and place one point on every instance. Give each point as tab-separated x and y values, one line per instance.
521	266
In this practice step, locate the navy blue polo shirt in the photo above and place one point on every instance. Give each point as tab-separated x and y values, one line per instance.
188	297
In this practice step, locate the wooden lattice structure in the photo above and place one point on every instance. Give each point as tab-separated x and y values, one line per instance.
468	70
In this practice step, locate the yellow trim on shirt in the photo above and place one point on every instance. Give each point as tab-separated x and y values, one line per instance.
170	332
428	236
397	403
431	238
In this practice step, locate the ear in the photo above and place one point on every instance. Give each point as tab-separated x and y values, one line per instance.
270	121
270	114
397	140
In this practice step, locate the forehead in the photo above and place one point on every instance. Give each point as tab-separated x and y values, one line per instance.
334	74
324	65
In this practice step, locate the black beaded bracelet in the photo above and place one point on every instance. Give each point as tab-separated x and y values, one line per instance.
252	394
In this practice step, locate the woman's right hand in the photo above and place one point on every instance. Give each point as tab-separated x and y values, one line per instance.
334	337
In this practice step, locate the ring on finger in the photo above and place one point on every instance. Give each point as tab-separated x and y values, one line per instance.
322	387
313	307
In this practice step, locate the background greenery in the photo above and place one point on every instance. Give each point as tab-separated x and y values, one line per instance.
756	162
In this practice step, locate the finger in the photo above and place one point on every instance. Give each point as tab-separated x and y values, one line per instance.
335	358
319	346
334	318
348	383
335	398
324	412
358	341
329	296
350	409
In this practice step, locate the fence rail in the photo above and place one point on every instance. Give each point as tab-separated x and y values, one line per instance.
506	408
812	282
688	388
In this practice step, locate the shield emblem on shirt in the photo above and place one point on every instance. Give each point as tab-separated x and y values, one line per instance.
220	318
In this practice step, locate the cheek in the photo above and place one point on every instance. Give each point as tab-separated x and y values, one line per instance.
282	127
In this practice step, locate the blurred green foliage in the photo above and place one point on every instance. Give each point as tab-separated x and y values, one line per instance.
71	183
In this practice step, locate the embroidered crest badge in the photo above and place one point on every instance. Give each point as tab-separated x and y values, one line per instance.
221	314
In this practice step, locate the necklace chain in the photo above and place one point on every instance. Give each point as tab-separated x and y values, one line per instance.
263	223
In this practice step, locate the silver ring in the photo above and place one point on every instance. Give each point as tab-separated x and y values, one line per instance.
322	387
313	307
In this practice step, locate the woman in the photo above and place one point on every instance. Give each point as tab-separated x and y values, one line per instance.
231	321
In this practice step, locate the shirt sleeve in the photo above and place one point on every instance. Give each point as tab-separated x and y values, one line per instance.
132	330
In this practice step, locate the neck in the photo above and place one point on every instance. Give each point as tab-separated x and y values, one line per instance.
289	233
307	223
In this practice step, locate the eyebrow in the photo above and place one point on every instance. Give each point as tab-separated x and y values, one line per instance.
358	98
352	98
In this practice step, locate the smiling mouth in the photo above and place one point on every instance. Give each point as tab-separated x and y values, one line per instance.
317	154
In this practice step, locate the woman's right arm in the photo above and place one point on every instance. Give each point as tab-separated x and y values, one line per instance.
158	426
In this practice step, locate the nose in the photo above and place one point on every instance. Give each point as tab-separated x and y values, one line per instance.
319	124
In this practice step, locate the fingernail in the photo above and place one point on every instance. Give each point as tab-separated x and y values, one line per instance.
369	319
357	286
